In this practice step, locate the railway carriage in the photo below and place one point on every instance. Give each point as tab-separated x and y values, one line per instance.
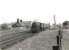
37	27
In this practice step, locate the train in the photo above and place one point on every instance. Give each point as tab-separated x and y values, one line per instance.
38	27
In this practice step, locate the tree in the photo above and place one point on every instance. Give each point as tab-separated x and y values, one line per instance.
65	23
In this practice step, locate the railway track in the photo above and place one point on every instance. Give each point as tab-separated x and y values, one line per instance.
9	39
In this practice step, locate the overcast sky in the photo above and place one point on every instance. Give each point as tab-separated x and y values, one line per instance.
40	10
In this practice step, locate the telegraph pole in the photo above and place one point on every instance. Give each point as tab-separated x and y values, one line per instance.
54	20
